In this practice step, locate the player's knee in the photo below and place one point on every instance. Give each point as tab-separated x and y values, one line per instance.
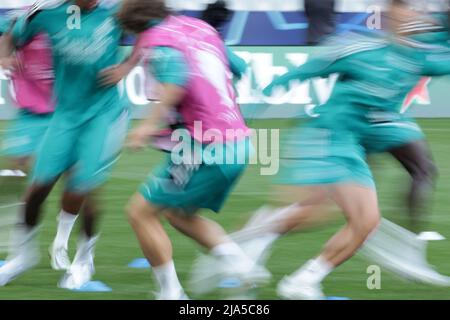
366	226
37	194
139	210
425	171
177	219
133	213
432	171
171	218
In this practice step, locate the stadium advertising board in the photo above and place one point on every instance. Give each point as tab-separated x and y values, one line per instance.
265	63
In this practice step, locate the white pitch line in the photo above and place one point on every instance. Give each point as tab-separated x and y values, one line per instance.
12	205
436	130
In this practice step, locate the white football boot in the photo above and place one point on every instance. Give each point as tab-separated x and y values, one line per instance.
403	253
23	257
82	268
291	289
178	295
59	257
209	271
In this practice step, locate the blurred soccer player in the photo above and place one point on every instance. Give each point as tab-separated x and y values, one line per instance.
86	131
396	132
327	157
32	76
399	135
188	59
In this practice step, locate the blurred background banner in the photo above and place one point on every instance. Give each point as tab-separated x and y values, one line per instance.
272	22
275	33
428	99
263	5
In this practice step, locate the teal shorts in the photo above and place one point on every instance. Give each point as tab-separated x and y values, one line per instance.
191	187
87	151
384	136
25	134
320	156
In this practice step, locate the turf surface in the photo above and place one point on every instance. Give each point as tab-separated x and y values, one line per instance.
118	246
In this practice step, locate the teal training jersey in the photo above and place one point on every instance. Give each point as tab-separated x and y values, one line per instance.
168	65
374	74
81	49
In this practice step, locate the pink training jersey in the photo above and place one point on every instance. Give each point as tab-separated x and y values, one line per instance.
210	98
33	83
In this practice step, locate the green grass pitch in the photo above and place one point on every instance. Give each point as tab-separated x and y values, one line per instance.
118	246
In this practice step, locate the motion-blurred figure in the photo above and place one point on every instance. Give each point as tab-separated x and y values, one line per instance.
85	133
399	134
321	19
32	76
326	157
394	247
189	61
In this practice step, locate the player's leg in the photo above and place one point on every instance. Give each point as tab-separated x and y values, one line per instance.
53	158
211	236
312	158
98	148
360	207
24	251
89	210
70	207
406	253
24	138
184	189
310	209
82	268
361	211
207	186
406	142
204	231
225	259
417	160
21	141
145	217
156	246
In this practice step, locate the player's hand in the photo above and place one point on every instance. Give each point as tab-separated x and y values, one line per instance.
10	63
278	82
113	75
139	138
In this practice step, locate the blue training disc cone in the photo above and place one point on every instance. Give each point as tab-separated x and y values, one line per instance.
230	283
140	263
2	262
94	286
337	298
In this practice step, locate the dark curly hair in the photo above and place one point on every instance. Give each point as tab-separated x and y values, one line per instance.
135	15
216	14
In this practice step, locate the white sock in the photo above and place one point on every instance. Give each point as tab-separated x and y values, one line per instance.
230	250
66	221
166	275
313	272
